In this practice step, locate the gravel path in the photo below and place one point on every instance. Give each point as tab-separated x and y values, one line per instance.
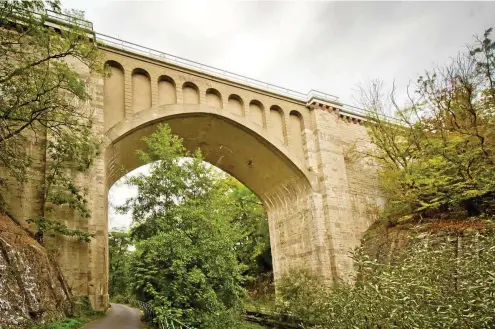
118	317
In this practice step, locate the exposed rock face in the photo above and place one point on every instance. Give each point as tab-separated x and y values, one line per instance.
383	242
31	285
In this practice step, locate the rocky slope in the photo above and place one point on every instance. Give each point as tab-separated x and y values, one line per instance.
32	288
383	241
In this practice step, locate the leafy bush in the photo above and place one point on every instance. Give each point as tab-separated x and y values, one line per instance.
125	299
68	323
437	282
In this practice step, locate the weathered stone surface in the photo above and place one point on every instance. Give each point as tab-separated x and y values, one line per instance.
31	285
292	154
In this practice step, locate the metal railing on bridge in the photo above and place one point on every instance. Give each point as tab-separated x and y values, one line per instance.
186	63
210	70
65	19
165	323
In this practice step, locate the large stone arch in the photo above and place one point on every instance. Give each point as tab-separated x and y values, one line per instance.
246	151
317	201
232	143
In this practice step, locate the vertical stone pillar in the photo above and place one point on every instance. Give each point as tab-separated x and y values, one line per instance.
128	91
245	111
268	117
178	89
340	183
287	128
98	223
202	93
297	232
154	90
225	101
332	176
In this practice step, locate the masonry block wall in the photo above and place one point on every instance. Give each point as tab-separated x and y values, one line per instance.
347	183
294	156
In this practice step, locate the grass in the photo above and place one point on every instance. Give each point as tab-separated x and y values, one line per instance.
249	325
82	315
70	323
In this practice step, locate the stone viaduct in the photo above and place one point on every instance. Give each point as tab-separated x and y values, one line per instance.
295	151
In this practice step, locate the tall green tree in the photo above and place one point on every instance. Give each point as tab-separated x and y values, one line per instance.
44	73
185	262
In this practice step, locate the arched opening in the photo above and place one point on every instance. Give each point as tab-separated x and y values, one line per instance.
190	93
166	90
231	146
214	98
296	130
236	207
245	155
236	105
253	159
256	112
277	123
141	90
114	94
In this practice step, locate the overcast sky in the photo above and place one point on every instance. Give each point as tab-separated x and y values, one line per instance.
327	46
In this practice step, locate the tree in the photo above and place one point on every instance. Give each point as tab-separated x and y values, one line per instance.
247	213
185	263
436	155
44	98
118	249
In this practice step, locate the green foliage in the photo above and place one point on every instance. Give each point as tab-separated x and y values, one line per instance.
69	323
249	217
44	98
82	313
437	154
193	229
437	282
118	247
247	325
48	227
81	306
126	300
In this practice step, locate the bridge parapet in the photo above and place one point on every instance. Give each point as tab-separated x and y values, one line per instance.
213	71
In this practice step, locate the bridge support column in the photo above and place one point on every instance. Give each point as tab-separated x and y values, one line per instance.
348	188
296	229
317	227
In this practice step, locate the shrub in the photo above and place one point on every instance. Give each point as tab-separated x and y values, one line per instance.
68	323
437	282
